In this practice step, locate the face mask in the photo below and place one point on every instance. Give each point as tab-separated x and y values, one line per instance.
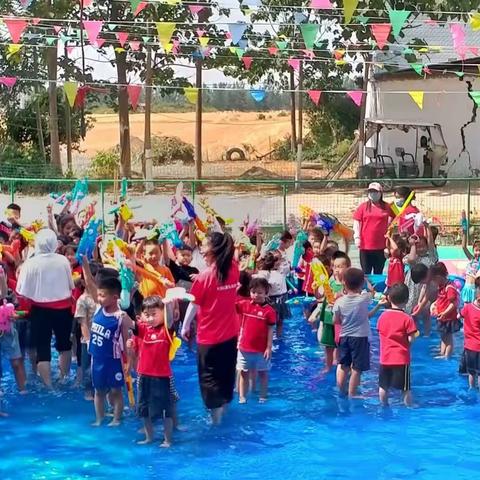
400	203
375	196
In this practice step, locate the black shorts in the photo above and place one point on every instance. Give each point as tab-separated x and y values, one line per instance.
472	362
44	322
154	398
394	376
216	372
25	337
354	352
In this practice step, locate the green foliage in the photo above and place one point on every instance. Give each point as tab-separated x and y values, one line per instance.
170	149
104	164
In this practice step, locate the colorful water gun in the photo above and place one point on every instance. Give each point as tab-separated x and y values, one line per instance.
123	210
88	241
321	279
87	214
193	215
308	213
7	310
213	213
401	210
168	231
251	228
274	243
127	278
79	193
27	235
242	239
464	222
298	249
58	198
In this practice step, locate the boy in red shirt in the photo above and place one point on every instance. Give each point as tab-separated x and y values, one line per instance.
153	368
396	250
471	331
396	330
445	308
258	319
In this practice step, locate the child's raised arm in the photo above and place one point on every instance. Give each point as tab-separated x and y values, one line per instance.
466	251
412	256
90	284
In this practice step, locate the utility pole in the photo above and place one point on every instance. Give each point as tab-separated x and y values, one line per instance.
198	121
68	117
363	107
147	149
298	170
293	108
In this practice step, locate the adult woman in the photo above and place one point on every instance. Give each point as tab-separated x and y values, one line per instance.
408	220
215	291
46	280
370	225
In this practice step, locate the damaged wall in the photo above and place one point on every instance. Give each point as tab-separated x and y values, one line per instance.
453	111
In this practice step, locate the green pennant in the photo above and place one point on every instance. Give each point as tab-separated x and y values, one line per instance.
146	39
111	26
281	45
239	52
309	33
475	95
408	51
65	38
398	19
50	40
418	67
459	74
362	19
135	4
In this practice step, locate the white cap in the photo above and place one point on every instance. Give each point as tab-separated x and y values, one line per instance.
375	186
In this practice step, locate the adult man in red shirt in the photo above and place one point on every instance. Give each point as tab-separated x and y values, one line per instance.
397	330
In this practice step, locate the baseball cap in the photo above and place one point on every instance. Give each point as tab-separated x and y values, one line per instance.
375	186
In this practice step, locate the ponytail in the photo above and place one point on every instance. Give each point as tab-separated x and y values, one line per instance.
223	251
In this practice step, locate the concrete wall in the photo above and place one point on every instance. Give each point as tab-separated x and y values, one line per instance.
451	109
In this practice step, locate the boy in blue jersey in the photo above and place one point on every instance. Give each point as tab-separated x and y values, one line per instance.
108	333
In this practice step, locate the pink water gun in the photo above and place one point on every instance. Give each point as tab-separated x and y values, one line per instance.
7	310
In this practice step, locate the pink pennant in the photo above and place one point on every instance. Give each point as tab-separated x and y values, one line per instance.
458	36
475	51
122	38
194	9
36	21
381	31
134	45
176	47
294	63
200	32
134	92
93	28
315	96
140	7
100	42
9	82
228	35
356	96
272	50
309	54
427	70
57	28
430	21
321	4
247	61
70	49
86	3
16	27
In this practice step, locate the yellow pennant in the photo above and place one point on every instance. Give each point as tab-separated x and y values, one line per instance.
120	50
475	21
417	97
203	41
191	94
173	2
168	47
349	7
165	31
71	89
13	49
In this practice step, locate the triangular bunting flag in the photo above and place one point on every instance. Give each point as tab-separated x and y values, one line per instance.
134	4
258	95
100	42
139	8
9	82
191	94
381	31
134	45
57	28
247	61
168	48
362	19
475	95
349	7
165	31
200	32
417	97
299	17
398	19
13	49
418	67
134	92
309	33
112	26
16	27
315	96
36	21
294	63
194	9
86	3
282	45
71	89
321	4
236	31
204	41
25	3
92	28
459	74
122	38
272	50
50	40
475	21
239	52
356	96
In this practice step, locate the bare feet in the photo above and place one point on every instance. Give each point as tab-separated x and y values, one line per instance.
262	400
97	423
147	441
114	423
88	397
242	400
165	444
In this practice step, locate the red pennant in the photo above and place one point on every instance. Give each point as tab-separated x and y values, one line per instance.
80	98
9	82
36	21
122	38
294	63
57	28
315	96
247	61
134	45
100	42
93	28
381	31
195	8
16	27
70	49
272	50
134	92
140	7
86	3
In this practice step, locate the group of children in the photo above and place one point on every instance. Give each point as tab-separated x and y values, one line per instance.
109	342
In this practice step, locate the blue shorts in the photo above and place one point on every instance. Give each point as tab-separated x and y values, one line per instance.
354	352
10	345
107	373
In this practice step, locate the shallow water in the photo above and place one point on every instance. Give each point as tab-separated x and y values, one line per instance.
304	431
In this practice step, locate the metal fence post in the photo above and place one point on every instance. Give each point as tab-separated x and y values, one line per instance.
12	191
102	200
469	202
284	188
193	191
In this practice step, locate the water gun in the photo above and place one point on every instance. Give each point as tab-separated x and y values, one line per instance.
166	231
7	310
127	278
401	210
88	214
274	243
242	239
329	223
193	215
58	198
298	249
27	235
320	279
88	241
464	222
306	301
124	188
308	213
123	210
251	228
128	381
213	213
79	192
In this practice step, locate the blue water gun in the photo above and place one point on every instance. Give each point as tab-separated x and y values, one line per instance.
127	279
326	223
89	240
124	189
464	222
190	209
79	192
299	249
274	243
166	231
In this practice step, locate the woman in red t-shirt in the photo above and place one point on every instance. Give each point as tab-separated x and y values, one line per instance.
408	220
370	225
215	292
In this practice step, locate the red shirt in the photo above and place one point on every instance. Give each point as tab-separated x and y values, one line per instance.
153	350
255	324
394	327
216	315
374	224
446	296
396	272
471	326
406	223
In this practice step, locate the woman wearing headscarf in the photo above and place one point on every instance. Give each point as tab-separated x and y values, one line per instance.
46	280
215	291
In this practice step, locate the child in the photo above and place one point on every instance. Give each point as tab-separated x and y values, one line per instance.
420	297
256	337
445	308
351	312
471	330
396	250
153	368
396	330
472	270
183	274
109	331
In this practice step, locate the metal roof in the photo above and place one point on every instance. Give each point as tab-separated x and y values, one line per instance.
400	123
